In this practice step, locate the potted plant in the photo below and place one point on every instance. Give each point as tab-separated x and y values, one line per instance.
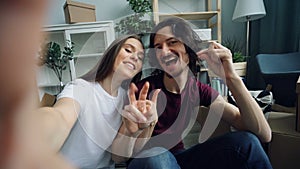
138	22
57	60
238	59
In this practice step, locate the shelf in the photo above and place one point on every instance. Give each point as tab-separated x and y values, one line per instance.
191	15
48	85
88	55
83	25
212	15
90	38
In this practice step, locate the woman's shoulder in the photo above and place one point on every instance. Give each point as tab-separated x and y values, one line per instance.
80	85
81	82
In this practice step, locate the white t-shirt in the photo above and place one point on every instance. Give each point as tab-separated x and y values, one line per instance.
98	122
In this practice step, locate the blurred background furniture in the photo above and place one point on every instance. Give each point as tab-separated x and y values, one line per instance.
284	149
298	105
246	11
282	71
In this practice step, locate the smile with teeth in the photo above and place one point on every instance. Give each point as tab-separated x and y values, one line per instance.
169	59
130	65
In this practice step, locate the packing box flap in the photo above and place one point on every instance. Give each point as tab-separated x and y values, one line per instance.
79	4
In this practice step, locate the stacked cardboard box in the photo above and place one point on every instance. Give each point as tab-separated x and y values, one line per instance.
284	149
79	12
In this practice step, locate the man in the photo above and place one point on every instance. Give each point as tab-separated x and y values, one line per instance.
173	47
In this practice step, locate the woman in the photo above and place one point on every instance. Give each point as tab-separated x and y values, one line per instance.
86	117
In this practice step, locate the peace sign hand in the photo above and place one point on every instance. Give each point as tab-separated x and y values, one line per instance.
141	113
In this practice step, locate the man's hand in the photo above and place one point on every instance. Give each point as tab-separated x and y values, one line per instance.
219	59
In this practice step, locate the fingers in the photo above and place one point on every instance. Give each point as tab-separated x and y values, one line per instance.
211	45
148	105
214	53
155	95
127	116
205	53
131	93
202	55
141	110
140	114
224	53
144	91
133	113
218	45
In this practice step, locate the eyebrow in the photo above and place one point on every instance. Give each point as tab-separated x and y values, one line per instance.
170	38
127	44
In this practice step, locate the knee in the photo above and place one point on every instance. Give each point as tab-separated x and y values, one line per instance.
250	142
249	139
253	150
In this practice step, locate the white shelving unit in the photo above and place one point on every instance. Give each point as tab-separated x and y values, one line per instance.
90	40
212	15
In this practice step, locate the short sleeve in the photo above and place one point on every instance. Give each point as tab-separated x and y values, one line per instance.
78	90
207	94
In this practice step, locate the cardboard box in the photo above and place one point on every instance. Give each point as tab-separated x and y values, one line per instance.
204	34
79	12
48	100
284	149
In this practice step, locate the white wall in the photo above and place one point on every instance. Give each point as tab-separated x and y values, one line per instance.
105	10
176	6
114	9
232	29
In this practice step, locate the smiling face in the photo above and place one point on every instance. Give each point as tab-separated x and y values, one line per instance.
129	59
170	52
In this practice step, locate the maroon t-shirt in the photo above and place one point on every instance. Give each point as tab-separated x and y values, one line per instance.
176	110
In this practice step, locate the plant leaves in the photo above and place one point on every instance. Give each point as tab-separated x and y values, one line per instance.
54	58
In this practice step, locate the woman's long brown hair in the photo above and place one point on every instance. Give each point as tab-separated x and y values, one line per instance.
105	65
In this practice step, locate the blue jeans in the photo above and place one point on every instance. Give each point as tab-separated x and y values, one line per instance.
154	158
236	150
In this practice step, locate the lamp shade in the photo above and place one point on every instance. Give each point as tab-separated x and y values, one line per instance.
247	10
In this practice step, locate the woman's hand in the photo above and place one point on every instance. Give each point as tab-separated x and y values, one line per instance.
141	113
219	60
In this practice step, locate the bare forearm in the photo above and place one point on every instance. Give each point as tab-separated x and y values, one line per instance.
143	138
251	115
126	144
54	128
123	145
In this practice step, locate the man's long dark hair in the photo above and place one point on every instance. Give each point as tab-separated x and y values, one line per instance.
183	32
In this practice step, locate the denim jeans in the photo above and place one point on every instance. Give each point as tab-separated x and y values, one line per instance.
235	150
154	158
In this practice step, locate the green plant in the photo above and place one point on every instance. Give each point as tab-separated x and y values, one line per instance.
236	49
136	22
238	57
54	58
140	6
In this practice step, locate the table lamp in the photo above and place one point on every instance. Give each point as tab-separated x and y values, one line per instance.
248	10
